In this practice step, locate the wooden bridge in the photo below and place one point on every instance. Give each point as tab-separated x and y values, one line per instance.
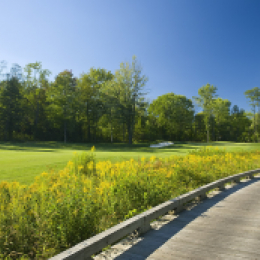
223	225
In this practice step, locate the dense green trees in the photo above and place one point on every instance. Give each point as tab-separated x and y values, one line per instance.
11	109
34	91
126	97
173	113
103	107
221	112
254	96
207	102
62	96
93	104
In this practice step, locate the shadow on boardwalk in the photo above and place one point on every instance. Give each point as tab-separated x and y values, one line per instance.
142	247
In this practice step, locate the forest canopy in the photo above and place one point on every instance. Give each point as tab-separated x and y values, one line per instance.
100	106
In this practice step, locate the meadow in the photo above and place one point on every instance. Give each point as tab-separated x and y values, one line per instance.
47	210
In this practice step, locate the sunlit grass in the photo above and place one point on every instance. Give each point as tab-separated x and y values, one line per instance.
22	162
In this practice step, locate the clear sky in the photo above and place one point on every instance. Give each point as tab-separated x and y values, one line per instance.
181	45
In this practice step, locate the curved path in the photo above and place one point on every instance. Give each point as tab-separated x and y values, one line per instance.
226	225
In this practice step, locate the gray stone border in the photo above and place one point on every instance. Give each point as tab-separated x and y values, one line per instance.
141	222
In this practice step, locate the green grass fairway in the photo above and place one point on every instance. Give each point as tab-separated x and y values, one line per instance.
22	162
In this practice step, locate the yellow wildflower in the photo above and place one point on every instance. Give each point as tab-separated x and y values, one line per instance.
80	167
44	174
62	174
112	172
15	184
70	163
90	165
152	159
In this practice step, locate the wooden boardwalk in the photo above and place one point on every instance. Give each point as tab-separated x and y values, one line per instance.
226	225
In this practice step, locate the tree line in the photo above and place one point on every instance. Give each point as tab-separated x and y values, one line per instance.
100	106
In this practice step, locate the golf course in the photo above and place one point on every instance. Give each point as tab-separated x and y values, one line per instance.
55	195
22	162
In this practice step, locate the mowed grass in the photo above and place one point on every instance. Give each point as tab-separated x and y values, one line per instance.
22	162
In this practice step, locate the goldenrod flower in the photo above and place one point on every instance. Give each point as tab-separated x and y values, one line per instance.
152	159
80	167
70	163
4	184
44	174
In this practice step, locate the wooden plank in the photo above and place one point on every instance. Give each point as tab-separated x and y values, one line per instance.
221	227
218	234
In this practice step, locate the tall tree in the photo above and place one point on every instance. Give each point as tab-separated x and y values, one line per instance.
91	98
240	124
11	108
221	111
254	96
200	128
173	112
35	91
110	95
206	101
63	94
131	99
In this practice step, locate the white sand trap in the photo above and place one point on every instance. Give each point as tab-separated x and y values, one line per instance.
161	144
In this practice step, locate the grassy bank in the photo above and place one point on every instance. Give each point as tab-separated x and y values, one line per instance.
61	209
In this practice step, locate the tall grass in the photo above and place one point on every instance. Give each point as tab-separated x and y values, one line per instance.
61	209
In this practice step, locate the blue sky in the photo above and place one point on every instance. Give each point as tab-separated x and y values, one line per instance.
181	45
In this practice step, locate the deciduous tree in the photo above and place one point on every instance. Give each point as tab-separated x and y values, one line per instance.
206	101
63	95
254	96
131	99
